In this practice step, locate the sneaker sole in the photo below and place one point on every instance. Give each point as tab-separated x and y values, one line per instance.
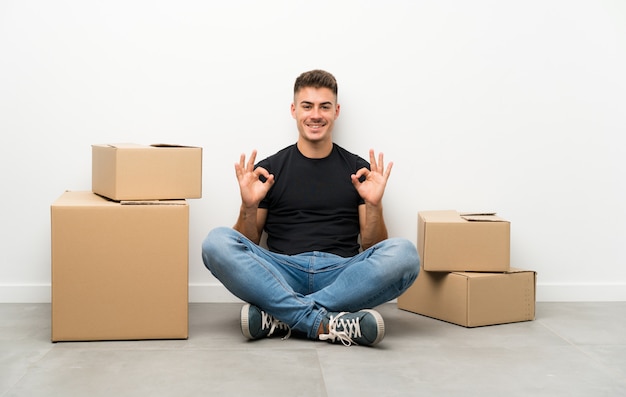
380	323
245	328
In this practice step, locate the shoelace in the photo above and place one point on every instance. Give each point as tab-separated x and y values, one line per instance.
268	321
349	329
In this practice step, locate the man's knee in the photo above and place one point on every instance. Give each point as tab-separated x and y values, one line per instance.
216	238
402	247
403	254
215	244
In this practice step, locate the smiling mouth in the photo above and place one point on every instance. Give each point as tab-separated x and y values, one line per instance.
315	126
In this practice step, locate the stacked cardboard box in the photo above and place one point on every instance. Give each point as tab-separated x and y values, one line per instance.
465	276
120	252
130	171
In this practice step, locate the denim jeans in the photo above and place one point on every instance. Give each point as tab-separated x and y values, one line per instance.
300	289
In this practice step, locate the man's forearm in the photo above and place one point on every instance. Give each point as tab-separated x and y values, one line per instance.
247	223
374	229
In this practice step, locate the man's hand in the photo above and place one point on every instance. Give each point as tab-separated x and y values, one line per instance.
373	187
252	189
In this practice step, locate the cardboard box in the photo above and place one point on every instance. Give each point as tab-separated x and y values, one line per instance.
127	171
451	241
473	299
119	270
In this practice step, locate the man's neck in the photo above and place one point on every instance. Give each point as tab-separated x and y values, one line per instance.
315	150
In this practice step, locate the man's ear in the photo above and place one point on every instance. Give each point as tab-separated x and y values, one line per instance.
337	111
293	110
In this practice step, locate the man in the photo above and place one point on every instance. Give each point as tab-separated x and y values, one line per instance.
314	200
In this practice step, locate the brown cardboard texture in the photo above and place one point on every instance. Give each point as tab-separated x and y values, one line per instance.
128	171
119	270
450	241
473	299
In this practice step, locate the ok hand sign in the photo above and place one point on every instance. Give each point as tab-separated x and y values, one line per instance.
373	187
252	189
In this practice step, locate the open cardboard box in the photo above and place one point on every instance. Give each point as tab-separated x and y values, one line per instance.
128	171
451	241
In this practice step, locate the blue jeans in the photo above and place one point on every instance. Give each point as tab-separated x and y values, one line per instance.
300	289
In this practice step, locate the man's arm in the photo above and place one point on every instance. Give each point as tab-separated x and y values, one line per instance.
371	190
250	222
372	224
251	218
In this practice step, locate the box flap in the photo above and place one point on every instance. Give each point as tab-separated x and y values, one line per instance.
121	145
153	202
481	217
128	145
166	145
518	270
474	274
443	216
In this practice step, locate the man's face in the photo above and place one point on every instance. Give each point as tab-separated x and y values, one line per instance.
315	111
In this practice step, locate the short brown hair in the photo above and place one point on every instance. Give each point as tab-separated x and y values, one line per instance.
317	79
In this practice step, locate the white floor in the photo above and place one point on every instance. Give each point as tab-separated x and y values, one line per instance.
571	349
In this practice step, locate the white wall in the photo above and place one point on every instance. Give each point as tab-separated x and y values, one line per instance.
514	106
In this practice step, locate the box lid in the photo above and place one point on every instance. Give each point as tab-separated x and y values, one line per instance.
453	216
512	270
481	217
88	198
127	145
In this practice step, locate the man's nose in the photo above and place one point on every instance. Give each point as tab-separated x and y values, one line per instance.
316	113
